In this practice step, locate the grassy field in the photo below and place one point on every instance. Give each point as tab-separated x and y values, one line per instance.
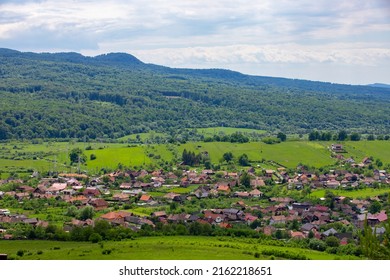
377	149
53	156
153	248
363	193
112	156
289	154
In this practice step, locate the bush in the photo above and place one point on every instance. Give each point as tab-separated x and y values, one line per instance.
332	241
95	237
20	253
317	245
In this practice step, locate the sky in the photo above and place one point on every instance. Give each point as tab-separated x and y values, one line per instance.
339	41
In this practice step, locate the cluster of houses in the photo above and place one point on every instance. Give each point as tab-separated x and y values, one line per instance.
134	187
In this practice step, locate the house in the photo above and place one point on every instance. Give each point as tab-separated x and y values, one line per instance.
257	183
213	217
256	193
269	230
333	184
329	232
308	227
233	214
301	206
241	194
171	196
91	191
225	225
159	214
269	173
125	186
56	188
337	148
223	189
249	218
366	161
98	204
202	192
297	235
123	197
277	220
80	199
115	215
145	198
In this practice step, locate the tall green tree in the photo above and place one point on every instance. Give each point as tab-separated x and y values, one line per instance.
282	136
228	156
77	154
243	160
245	179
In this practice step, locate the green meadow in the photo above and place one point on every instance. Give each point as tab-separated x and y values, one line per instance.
356	193
377	149
288	154
157	248
23	157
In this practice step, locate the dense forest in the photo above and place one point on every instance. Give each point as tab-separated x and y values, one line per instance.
67	95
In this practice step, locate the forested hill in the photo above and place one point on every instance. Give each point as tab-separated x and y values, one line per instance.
67	95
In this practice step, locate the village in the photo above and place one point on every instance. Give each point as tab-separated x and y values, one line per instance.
265	202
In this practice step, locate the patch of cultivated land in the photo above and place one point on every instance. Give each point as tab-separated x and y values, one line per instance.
158	248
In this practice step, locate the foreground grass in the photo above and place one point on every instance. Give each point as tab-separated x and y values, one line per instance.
153	248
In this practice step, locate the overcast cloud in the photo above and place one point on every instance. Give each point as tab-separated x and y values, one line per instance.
334	40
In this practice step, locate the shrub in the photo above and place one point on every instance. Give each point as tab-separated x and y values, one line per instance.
20	253
95	237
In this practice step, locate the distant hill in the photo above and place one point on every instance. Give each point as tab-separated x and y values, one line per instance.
68	95
379	85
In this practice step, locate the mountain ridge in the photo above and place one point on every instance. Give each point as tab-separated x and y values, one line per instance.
68	95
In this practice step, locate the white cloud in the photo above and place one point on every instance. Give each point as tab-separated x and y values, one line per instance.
203	32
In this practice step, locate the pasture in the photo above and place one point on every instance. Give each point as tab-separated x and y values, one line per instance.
288	154
156	248
377	149
357	193
23	157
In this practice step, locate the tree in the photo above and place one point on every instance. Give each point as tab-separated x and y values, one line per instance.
243	160
228	156
282	136
318	245
77	154
375	207
92	157
371	137
332	241
245	179
355	137
95	237
86	213
342	135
